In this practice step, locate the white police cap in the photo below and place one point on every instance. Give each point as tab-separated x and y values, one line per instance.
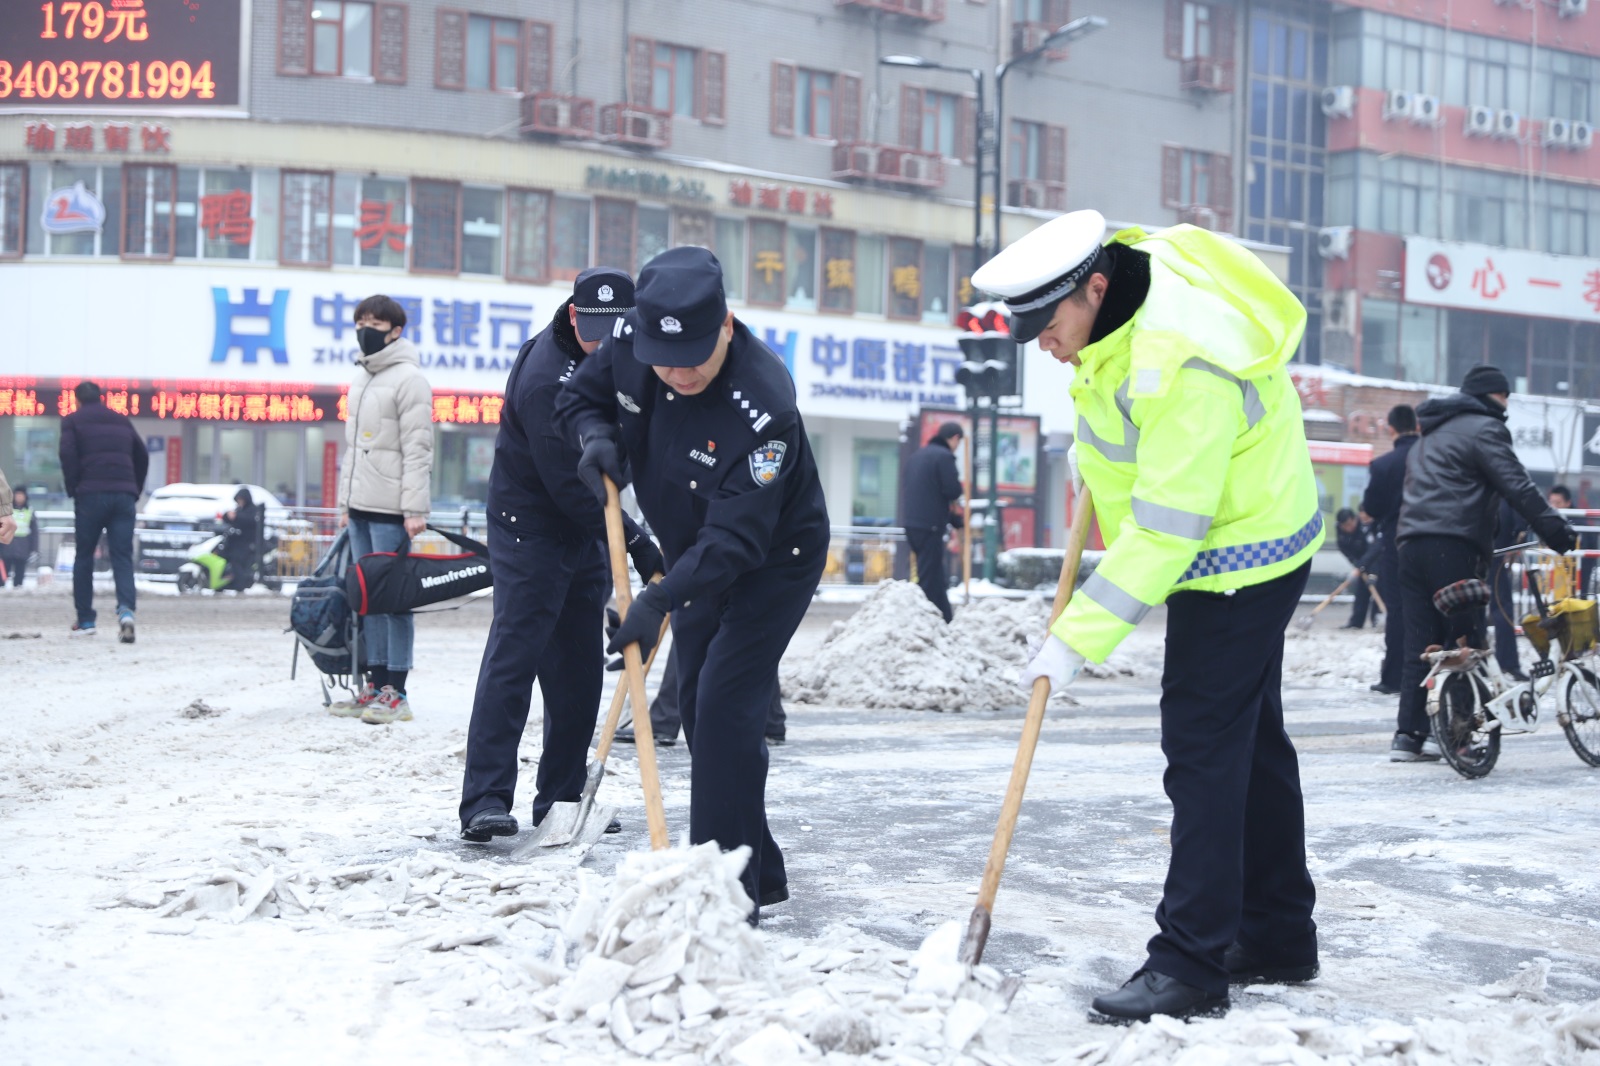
1037	272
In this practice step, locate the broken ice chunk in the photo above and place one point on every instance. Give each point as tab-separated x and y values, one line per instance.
597	981
772	1046
936	969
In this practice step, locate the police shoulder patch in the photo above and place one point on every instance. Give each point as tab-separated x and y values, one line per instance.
766	461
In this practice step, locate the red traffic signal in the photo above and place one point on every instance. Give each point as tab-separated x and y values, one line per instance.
984	318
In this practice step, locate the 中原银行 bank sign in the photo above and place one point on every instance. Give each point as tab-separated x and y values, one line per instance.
267	326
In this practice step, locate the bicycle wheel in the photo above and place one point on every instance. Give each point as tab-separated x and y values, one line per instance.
1582	713
1469	748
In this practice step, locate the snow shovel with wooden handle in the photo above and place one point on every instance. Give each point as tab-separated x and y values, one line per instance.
581	822
1305	623
983	910
644	739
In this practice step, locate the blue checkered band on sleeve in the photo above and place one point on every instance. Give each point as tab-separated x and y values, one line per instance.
1214	561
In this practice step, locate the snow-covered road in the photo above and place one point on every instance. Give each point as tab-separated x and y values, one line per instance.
1432	889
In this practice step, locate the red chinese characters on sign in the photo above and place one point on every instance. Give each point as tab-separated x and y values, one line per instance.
41	137
379	225
1591	290
233	407
80	137
174	459
449	407
741	193
822	204
788	199
795	201
769	197
155	138
226	216
1312	392
117	136
1488	282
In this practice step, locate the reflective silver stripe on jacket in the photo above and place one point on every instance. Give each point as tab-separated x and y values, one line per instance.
1159	518
1117	601
1117	453
1254	409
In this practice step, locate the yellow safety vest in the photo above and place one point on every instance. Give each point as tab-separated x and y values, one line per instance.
1191	438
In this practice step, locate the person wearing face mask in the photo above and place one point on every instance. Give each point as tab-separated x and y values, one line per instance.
706	416
551	578
1190	437
383	489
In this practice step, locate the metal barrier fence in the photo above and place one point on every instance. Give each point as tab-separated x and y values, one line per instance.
857	555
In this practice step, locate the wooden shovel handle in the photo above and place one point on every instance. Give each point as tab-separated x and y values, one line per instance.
643	738
608	732
966	527
1011	807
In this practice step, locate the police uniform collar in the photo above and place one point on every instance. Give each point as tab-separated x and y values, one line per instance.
563	334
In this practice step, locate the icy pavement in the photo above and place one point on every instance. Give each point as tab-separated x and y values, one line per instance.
261	882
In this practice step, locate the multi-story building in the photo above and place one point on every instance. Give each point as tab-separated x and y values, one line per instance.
1462	208
193	198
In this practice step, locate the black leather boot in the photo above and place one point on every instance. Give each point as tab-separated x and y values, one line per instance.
1148	993
490	823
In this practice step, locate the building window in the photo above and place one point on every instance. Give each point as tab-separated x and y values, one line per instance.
1038	176
730	252
494	53
675	80
613	232
481	231
528	235
937	122
692	228
13	209
652	236
306	219
436	227
380	229
905	278
149	211
569	246
103	182
871	275
814	100
936	284
767	274
1200	186
838	282
227	225
800	268
815	103
341	38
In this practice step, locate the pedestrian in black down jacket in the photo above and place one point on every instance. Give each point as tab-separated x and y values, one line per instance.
103	462
932	486
1455	478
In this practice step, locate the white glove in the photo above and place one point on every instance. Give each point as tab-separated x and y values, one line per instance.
1054	660
1072	468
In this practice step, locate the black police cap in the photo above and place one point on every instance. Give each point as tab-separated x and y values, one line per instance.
679	308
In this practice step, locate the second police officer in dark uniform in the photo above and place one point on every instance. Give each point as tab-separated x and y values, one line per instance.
551	579
705	415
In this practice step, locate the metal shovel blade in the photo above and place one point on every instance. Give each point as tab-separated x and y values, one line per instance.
566	823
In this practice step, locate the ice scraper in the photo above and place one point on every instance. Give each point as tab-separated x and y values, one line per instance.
983	910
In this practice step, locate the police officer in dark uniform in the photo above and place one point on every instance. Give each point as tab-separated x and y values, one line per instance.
706	416
551	578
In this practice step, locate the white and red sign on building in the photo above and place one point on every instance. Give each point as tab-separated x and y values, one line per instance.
1479	277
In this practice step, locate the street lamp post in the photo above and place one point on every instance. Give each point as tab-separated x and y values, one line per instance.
990	141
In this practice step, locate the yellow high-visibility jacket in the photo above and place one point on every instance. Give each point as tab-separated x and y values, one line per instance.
1191	439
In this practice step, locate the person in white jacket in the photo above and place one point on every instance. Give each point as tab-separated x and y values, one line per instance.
383	489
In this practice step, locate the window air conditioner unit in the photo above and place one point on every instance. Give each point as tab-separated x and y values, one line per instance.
1570	8
1425	109
1339	312
1557	132
1339	101
1397	104
1507	124
1480	121
1333	242
1582	136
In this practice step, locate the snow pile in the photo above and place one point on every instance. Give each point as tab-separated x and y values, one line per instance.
1345	658
1568	1034
896	651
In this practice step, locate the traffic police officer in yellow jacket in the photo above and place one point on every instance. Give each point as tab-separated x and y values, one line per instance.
1190	437
705	415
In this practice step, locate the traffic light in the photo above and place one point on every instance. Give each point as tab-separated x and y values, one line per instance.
992	366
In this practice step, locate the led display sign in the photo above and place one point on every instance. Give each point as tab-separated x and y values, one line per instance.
121	54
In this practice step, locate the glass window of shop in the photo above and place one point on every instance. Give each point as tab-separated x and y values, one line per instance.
905	278
1401	341
436	227
104	182
481	230
528	235
1566	82
652	236
800	269
614	222
371	222
766	262
692	227
876	487
307	202
30	454
936	284
870	274
569	250
730	252
838	280
462	457
13	208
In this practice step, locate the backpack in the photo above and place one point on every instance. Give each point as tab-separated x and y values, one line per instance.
321	619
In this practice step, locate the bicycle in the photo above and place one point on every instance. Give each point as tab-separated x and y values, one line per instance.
1472	703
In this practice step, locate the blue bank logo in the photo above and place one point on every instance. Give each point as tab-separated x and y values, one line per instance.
784	348
253	342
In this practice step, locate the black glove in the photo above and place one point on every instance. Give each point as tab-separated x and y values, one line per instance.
1559	534
647	560
601	456
642	626
957	520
